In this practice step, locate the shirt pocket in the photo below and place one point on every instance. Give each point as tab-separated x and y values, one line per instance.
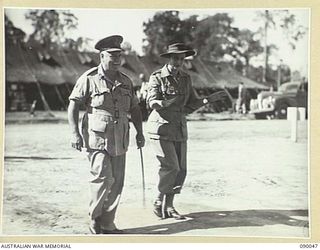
97	130
98	122
171	89
126	97
100	97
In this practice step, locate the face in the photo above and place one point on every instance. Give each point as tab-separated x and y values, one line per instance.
176	60
110	60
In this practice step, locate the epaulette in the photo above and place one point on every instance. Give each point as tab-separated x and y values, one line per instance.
125	75
127	83
90	71
156	72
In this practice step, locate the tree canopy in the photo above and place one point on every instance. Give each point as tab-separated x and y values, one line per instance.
214	37
51	26
166	28
217	39
12	33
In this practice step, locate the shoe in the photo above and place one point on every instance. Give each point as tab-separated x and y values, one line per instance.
157	210
94	227
172	213
114	231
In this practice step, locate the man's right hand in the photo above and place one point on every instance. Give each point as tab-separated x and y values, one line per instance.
159	104
77	142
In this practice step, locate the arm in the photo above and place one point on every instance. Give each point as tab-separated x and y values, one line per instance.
136	119
73	118
194	102
78	95
159	104
154	97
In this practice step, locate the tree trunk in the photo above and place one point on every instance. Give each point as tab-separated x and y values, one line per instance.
265	47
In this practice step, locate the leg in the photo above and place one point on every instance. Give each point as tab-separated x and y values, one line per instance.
169	165
181	149
111	203
172	173
106	185
100	185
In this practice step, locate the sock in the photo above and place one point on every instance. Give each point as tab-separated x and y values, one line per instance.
168	199
159	199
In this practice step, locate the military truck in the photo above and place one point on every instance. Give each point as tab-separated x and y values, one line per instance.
274	104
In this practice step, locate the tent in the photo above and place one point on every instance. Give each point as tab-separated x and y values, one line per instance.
47	74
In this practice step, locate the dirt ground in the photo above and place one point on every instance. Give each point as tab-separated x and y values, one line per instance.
245	178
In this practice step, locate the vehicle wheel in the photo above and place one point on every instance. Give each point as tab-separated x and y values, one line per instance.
260	116
281	111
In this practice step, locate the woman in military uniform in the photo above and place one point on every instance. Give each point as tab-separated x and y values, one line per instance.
171	96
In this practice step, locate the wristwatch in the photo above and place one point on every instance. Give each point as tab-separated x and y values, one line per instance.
205	101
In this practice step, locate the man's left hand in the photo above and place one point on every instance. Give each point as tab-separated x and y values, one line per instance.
140	140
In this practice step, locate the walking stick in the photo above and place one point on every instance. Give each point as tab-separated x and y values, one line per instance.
143	183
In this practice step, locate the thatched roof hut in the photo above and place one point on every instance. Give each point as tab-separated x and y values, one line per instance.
60	68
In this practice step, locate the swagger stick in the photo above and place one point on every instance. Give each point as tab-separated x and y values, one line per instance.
143	183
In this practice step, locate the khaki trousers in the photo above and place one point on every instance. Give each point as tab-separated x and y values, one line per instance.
106	183
172	158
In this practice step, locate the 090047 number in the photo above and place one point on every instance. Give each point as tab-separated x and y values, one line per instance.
308	245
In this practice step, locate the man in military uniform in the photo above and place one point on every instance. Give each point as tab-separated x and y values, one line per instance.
243	100
171	97
109	97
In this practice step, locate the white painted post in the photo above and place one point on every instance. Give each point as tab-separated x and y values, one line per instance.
302	114
292	116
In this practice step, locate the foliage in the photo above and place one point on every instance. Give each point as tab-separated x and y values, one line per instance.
80	44
51	26
213	37
247	46
279	19
285	21
12	34
167	28
292	31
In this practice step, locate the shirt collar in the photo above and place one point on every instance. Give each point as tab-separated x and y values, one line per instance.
102	74
165	71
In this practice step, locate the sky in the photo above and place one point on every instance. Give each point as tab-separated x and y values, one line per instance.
99	23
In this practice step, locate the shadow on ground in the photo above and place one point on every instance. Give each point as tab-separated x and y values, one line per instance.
224	219
17	158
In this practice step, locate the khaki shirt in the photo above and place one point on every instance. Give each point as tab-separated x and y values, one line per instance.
170	123
105	124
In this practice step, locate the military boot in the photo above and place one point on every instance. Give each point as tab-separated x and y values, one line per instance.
158	207
170	211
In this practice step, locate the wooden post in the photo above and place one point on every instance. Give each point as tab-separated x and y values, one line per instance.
60	97
43	98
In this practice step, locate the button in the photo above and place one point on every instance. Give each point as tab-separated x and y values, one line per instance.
115	122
